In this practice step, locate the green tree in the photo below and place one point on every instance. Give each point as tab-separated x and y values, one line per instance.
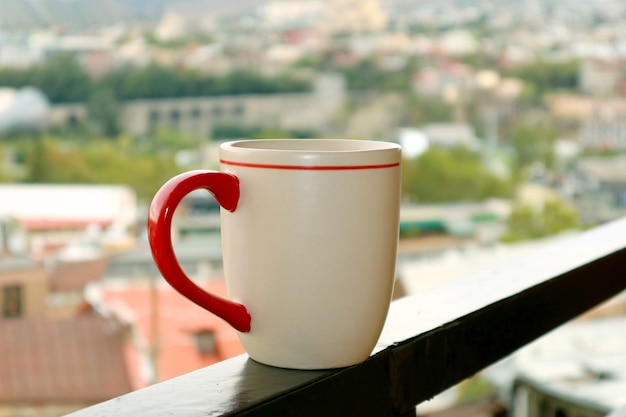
548	76
62	79
427	110
447	175
169	141
103	109
314	61
271	134
15	78
36	160
527	222
100	161
368	75
152	81
267	133
4	174
155	81
259	132
533	143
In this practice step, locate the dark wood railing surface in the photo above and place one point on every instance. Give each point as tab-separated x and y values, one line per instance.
431	341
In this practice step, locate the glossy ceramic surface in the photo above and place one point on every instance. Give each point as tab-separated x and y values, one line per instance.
309	238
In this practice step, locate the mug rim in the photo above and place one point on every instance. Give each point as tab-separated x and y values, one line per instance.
310	154
311	145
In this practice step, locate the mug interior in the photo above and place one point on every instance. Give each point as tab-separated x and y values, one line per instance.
313	145
309	153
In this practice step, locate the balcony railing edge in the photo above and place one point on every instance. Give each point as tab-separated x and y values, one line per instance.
431	342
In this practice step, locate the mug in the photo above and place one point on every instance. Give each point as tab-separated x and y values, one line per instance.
309	231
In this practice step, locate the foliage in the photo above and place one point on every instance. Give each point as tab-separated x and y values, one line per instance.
527	222
367	75
545	76
156	81
152	81
447	175
223	131
477	60
50	159
4	174
103	109
313	61
63	80
11	77
533	143
428	110
271	134
475	388
166	140
258	132
143	165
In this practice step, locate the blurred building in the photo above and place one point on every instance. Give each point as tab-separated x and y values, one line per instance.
46	289
23	110
47	217
601	77
451	135
289	14
55	360
18	55
54	367
315	110
436	81
23	288
605	128
172	26
354	16
600	190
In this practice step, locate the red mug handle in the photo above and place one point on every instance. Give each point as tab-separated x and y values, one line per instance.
225	189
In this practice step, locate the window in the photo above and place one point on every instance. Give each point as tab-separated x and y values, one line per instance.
175	116
239	110
153	115
205	342
153	120
72	120
12	301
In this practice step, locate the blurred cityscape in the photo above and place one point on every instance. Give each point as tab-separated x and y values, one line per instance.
511	115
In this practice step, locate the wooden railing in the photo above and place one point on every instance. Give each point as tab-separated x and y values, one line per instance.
431	341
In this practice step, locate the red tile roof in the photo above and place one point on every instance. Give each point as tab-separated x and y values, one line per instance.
79	360
179	320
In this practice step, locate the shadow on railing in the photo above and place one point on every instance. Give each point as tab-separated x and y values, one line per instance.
431	341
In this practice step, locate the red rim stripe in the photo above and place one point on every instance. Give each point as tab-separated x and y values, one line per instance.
309	167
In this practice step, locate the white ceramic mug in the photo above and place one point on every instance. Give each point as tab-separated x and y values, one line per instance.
309	238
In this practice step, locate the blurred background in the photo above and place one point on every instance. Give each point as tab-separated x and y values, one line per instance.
511	115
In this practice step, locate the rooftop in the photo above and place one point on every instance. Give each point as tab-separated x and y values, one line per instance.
64	205
179	321
79	360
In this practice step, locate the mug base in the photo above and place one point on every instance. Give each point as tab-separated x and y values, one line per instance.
306	365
